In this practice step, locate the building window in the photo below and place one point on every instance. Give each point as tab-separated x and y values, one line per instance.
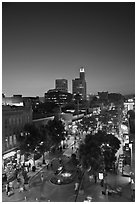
14	139
6	143
13	121
6	123
10	121
17	121
20	121
10	140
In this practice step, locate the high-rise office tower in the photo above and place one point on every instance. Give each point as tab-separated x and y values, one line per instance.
82	74
61	85
79	85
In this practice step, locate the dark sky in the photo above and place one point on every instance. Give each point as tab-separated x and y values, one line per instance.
45	41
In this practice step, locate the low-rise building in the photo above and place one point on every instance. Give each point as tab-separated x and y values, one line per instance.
58	97
13	120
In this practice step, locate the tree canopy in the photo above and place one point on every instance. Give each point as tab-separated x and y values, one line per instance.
98	151
30	139
40	139
56	131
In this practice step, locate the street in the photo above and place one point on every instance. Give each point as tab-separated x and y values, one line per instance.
47	191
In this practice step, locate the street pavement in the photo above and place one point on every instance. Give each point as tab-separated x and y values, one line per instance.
46	191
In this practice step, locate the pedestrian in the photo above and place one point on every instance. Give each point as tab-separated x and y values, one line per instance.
11	185
47	166
95	177
107	191
10	189
28	168
42	178
76	187
29	165
7	188
102	183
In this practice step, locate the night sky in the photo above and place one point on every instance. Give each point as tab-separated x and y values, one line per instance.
45	41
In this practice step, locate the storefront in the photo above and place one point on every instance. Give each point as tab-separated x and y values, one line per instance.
8	158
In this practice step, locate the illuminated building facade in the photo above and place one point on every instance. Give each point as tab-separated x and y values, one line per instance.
13	120
58	97
16	100
79	85
61	85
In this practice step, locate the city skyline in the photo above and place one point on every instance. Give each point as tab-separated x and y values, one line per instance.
42	42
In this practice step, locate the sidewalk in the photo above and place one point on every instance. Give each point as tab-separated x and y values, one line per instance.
20	196
16	197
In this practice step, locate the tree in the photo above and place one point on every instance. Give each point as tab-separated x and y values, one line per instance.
93	102
90	153
55	130
29	141
45	141
87	123
98	151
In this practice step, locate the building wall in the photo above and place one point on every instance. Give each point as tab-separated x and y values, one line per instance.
129	106
18	101
58	97
42	121
61	84
13	121
79	85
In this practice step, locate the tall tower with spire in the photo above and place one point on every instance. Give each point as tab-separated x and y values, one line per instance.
79	85
82	73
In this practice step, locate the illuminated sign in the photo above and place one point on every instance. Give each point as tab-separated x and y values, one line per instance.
100	176
81	69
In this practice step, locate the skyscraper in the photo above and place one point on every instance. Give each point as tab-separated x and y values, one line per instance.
61	85
79	85
82	74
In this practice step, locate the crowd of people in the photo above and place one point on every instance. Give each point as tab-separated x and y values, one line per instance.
15	175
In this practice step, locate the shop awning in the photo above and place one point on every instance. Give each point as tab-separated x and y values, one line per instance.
10	154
